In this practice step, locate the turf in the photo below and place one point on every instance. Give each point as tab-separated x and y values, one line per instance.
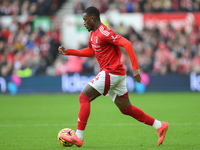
32	122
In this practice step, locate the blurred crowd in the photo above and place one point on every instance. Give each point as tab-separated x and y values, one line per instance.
158	51
22	46
29	7
165	51
132	6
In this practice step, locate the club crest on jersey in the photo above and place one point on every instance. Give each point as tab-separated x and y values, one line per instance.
95	39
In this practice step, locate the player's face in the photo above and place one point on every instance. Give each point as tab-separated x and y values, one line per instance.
88	23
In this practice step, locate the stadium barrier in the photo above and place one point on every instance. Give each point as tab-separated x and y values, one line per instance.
74	83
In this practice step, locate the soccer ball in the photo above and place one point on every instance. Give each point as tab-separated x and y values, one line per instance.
66	132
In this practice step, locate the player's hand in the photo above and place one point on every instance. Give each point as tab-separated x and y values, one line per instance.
62	50
136	75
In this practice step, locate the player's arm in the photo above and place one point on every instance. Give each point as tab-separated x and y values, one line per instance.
129	49
86	52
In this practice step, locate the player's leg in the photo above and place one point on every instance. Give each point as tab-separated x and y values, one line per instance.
123	103
94	89
121	99
87	95
119	95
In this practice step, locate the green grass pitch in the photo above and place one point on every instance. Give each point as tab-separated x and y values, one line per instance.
32	122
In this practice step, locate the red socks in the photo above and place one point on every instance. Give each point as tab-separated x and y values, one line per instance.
138	114
84	111
133	111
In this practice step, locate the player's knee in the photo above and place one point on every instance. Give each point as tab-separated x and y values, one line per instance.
125	95
126	111
84	98
122	102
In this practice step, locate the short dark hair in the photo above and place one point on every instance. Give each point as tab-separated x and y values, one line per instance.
93	11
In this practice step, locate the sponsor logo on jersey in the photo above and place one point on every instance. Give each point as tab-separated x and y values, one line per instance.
96	47
114	38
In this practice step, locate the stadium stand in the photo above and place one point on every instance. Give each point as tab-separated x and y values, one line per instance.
158	51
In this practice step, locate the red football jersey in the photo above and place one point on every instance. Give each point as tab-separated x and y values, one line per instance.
104	42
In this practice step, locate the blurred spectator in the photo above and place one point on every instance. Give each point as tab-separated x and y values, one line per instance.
167	6
129	6
33	9
162	57
60	67
185	63
121	29
196	61
112	10
79	8
74	64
